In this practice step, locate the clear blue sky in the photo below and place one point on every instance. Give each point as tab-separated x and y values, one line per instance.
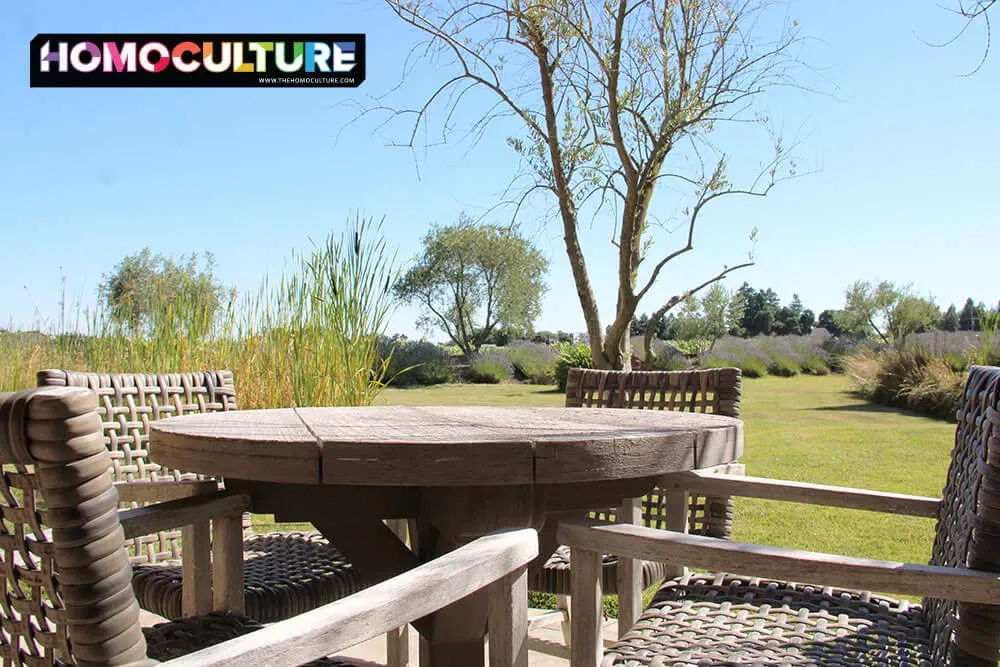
904	151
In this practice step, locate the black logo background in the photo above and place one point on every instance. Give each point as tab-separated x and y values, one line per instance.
201	78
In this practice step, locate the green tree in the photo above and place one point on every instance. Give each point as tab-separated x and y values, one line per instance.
835	321
968	317
147	291
760	309
950	320
787	321
474	279
710	317
721	310
892	311
639	325
807	320
665	328
613	98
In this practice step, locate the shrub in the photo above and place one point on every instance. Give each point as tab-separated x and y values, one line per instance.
534	361
815	365
914	377
753	367
664	357
576	355
667	359
719	360
691	348
737	352
416	362
491	366
783	366
934	389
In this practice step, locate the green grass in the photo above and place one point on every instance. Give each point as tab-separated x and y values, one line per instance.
811	429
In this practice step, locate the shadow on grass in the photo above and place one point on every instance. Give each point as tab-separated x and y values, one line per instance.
879	408
863	407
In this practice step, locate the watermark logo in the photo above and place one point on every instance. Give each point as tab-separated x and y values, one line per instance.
201	60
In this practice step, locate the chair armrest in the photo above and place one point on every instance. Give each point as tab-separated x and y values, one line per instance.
499	560
157	492
948	583
800	492
182	512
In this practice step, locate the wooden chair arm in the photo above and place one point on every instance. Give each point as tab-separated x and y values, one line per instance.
949	583
710	483
498	561
158	492
182	512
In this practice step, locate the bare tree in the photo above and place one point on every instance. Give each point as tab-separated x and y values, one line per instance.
614	96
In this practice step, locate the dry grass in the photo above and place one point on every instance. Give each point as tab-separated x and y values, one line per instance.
915	378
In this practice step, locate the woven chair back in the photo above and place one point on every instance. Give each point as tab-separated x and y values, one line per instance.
128	403
66	595
713	391
968	527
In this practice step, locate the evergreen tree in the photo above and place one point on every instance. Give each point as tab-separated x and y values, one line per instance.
950	320
968	318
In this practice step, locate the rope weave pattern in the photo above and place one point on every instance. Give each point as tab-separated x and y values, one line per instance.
968	527
65	596
127	405
284	573
722	619
718	619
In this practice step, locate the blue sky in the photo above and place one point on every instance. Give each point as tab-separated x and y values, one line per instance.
900	148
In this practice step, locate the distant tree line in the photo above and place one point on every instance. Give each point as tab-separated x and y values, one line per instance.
747	312
886	311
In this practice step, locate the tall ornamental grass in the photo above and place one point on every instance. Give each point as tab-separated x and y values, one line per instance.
914	377
309	338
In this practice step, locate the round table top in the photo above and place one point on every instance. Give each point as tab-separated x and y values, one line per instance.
444	445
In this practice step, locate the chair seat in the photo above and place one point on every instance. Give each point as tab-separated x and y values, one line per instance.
173	639
719	619
553	577
284	574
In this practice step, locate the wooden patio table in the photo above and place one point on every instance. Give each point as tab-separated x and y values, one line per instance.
460	472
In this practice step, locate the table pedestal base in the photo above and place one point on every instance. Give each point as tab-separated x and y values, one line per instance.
446	518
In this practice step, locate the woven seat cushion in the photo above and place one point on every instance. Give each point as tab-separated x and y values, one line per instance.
553	577
174	639
716	619
284	574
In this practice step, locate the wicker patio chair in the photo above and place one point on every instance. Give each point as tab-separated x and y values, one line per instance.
716	391
67	597
284	574
761	618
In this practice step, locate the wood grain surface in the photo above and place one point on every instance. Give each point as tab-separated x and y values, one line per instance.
443	445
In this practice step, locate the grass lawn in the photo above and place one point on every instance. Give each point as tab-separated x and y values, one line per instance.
804	428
